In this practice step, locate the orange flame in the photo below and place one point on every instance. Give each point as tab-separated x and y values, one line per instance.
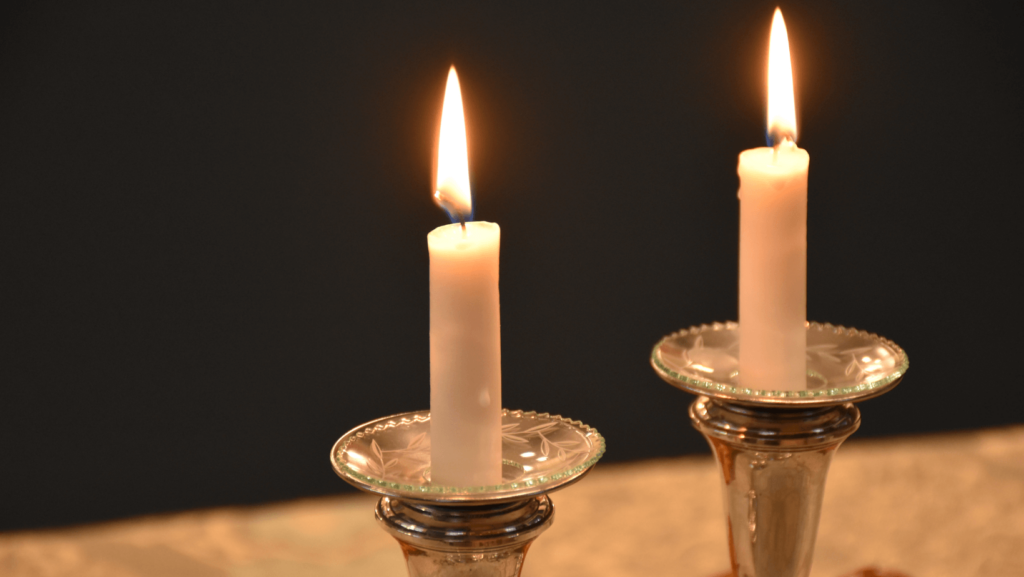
781	104
451	190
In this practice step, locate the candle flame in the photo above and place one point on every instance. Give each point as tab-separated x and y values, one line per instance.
781	103
451	190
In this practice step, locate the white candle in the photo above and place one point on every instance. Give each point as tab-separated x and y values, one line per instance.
465	320
773	240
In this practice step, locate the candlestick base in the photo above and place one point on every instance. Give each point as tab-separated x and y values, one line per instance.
485	530
774	447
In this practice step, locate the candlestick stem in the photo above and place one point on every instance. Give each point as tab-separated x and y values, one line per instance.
473	540
774	462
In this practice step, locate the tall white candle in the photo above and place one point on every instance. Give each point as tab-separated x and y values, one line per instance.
465	322
773	240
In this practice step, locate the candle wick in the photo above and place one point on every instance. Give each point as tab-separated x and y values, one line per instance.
452	210
785	141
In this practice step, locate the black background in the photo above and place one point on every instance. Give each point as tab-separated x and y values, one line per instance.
214	218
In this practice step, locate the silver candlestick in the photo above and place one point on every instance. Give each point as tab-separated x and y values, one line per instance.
774	447
467	531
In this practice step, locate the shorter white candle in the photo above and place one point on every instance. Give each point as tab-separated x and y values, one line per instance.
773	240
465	322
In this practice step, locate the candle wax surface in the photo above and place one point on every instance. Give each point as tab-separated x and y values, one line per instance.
773	268
465	355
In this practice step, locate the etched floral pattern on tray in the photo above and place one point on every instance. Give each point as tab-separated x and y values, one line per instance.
392	455
841	363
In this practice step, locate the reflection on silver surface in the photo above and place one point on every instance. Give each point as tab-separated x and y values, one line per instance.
774	462
478	540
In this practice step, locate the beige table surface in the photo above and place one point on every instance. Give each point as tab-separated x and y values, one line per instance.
937	506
